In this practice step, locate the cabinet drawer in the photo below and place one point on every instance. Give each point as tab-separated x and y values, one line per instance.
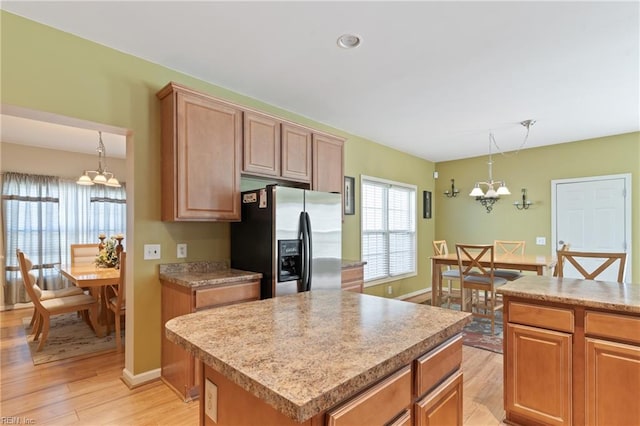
433	367
376	406
541	316
350	275
623	327
403	419
216	296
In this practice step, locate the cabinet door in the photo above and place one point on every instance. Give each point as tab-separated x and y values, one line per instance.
538	375
612	383
328	171
201	153
261	154
443	406
296	153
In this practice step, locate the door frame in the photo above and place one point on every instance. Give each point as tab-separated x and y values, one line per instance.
627	211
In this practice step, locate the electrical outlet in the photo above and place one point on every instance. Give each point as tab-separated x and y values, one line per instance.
541	241
211	400
151	251
181	251
389	290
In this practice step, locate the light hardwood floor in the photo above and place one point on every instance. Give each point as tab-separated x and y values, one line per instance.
89	391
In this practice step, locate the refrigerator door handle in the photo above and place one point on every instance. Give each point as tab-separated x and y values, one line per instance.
310	250
302	286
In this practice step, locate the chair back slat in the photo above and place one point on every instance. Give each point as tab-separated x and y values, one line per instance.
509	247
608	259
475	254
28	285
440	247
83	254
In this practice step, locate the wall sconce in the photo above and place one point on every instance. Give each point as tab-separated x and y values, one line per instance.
524	205
453	192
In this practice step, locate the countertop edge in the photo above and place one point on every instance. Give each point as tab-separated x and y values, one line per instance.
209	279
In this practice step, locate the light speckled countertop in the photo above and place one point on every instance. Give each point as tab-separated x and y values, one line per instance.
573	291
306	352
204	274
348	263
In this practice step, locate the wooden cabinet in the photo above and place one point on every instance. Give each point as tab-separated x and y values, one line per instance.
328	166
570	365
443	406
538	374
201	154
272	148
261	145
296	153
612	369
180	371
378	405
353	278
438	385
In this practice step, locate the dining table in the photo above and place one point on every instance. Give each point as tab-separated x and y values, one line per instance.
526	262
95	279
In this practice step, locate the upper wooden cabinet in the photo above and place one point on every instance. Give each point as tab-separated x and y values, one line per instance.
261	145
328	167
275	149
201	156
296	153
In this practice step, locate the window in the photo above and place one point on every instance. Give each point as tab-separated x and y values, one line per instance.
388	229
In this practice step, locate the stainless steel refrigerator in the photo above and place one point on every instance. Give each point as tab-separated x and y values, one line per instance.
292	236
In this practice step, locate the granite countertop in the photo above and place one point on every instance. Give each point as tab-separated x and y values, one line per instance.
348	263
306	352
573	291
204	274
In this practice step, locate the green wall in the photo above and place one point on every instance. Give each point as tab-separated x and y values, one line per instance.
48	70
462	219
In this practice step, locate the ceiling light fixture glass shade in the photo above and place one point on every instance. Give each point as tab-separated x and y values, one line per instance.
100	176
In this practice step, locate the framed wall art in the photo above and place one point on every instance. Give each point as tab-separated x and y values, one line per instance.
426	201
349	195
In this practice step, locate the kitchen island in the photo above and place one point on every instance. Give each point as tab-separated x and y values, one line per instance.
325	357
571	351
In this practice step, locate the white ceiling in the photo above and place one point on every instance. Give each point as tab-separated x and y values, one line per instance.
430	78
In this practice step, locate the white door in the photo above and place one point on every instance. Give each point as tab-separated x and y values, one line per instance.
593	215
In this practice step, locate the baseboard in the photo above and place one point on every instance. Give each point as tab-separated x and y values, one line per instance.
417	296
133	381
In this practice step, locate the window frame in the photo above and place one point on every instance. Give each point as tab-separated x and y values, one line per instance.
414	212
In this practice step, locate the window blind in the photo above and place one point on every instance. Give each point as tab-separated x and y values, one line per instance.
388	228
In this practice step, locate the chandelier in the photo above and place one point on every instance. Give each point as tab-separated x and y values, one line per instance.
100	176
495	188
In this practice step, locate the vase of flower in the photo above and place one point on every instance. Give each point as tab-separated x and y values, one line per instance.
107	256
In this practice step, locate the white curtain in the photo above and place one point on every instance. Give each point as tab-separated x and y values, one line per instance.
44	215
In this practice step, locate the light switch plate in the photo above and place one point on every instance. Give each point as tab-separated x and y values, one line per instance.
151	251
181	251
541	241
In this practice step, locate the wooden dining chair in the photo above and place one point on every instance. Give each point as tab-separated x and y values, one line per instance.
59	305
84	254
505	248
31	280
478	275
446	273
564	247
114	295
577	259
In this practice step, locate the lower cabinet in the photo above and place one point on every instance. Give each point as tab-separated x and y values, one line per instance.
180	370
443	406
353	278
570	365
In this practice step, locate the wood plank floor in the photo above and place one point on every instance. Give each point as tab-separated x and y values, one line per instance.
89	391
